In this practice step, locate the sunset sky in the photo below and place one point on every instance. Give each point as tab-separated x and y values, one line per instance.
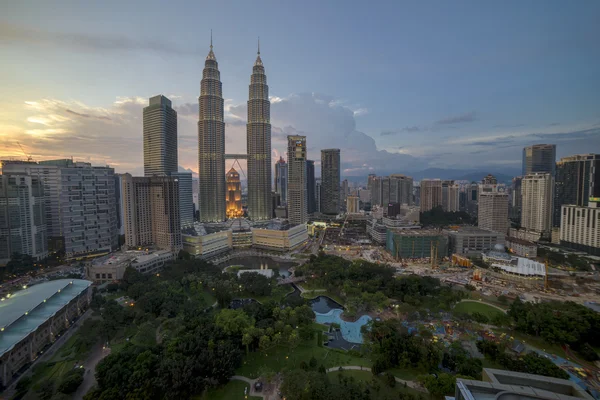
398	86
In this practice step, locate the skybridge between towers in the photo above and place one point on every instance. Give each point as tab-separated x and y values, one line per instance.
236	158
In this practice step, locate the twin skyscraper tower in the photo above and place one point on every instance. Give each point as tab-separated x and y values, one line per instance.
211	144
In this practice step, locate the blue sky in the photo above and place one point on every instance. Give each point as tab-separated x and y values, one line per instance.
400	85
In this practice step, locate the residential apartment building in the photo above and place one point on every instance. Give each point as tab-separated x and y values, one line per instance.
537	205
492	208
79	204
22	217
577	179
151	212
580	227
296	191
450	196
431	194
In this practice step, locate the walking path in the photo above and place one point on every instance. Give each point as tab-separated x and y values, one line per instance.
89	377
250	382
412	384
483	302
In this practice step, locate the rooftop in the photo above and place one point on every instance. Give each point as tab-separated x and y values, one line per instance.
473	230
24	311
417	232
509	385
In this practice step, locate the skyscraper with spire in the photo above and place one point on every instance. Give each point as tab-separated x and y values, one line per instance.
211	143
258	136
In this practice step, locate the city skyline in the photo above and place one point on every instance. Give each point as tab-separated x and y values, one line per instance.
402	116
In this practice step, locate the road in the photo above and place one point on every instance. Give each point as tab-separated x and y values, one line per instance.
89	377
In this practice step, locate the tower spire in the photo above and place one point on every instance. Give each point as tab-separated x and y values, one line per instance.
211	54
258	46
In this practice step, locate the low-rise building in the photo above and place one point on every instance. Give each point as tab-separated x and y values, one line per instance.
531	236
470	240
279	236
508	385
521	247
521	266
111	267
32	318
205	240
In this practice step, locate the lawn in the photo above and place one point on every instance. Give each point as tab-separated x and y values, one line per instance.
384	392
208	298
408	374
470	307
233	390
281	358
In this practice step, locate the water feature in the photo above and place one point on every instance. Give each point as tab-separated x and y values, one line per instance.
328	311
350	330
255	262
324	304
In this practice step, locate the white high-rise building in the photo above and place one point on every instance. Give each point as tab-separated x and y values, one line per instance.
450	196
492	210
160	137
22	217
296	190
580	227
537	202
79	204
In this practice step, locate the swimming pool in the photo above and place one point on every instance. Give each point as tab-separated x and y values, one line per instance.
350	330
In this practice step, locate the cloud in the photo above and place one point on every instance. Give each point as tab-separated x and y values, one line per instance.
457	119
408	129
554	124
20	34
83	115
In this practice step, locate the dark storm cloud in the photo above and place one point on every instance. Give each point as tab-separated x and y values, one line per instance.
458	119
12	34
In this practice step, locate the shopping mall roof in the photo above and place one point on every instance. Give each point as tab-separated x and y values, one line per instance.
24	311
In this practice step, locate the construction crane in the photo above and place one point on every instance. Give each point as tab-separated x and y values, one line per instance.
29	158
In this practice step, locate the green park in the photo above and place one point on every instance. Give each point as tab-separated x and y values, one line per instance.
185	333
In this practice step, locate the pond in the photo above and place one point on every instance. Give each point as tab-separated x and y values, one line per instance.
328	311
256	263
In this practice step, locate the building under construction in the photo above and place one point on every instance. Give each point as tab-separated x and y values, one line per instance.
417	243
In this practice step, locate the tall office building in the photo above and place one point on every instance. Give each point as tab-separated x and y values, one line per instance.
516	199
211	143
431	194
385	190
186	198
352	205
537	205
22	217
151	211
450	197
160	137
258	137
330	181
318	194
281	179
492	208
373	187
539	158
234	195
79	204
577	178
296	190
311	186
